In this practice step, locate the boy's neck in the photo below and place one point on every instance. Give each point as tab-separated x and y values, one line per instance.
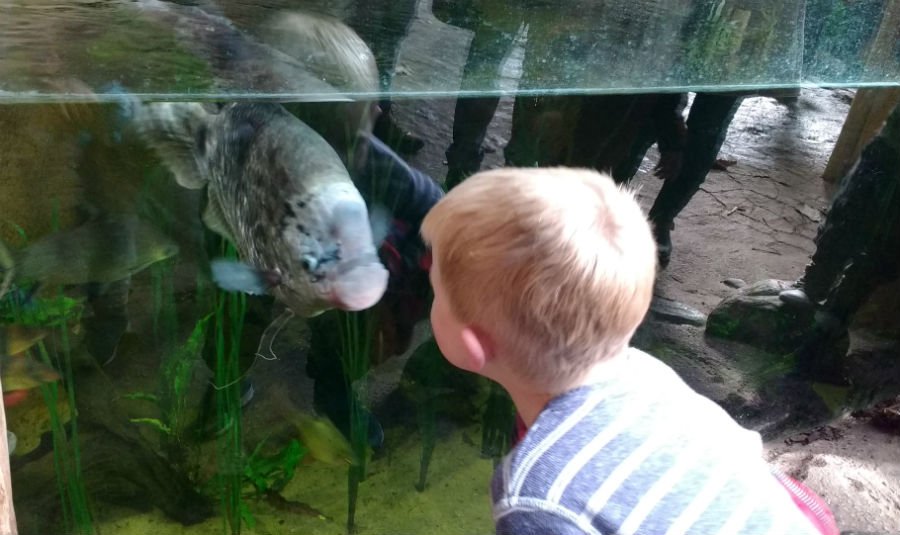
530	399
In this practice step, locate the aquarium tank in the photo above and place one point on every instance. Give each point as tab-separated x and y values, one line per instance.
214	296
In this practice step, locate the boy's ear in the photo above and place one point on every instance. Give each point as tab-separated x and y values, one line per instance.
478	346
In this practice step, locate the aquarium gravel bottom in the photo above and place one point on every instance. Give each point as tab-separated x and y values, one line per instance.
456	499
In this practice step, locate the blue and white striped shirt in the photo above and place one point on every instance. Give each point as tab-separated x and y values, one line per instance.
640	453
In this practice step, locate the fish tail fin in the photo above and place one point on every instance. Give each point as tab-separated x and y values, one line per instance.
174	129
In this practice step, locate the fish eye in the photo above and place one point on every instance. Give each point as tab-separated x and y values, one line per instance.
308	262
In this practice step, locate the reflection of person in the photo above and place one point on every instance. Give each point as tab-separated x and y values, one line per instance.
609	133
856	250
383	24
382	178
522	261
495	25
707	126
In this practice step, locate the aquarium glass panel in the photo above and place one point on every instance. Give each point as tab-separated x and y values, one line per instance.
216	300
231	49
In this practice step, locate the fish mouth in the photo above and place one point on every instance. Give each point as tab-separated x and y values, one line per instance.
358	283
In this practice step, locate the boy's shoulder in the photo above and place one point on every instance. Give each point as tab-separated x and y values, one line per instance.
636	397
596	452
625	401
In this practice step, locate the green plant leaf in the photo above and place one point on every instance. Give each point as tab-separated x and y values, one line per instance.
152	422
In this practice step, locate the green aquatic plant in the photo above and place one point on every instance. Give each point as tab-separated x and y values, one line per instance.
58	313
155	423
271	473
267	475
175	375
55	311
165	314
17	230
41	312
497	424
228	322
76	507
355	330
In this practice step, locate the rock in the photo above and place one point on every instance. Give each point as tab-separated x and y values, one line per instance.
809	212
734	283
755	315
115	469
884	416
796	298
674	312
768	287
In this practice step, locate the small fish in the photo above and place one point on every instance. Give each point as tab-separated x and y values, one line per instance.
31	420
103	250
15	339
17	370
20	372
277	191
318	434
324	441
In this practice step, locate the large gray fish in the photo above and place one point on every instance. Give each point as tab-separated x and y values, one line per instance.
280	194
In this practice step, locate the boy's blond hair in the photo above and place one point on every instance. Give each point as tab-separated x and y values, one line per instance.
556	264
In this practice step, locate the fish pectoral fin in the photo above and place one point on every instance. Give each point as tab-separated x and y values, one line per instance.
235	276
380	220
214	218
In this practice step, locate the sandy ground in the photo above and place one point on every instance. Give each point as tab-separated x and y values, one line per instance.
853	466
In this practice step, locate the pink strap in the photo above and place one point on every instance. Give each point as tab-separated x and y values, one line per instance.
810	503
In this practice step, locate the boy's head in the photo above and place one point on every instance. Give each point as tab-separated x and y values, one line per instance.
554	267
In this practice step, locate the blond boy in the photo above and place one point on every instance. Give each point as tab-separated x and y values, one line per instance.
541	277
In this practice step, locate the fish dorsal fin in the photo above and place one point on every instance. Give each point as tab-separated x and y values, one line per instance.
174	129
214	218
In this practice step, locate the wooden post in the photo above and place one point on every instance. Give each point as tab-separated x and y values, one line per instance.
7	512
870	107
867	114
